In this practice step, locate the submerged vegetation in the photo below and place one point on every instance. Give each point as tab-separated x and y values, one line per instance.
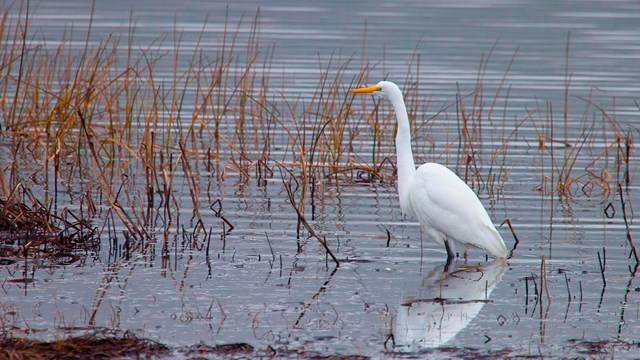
97	143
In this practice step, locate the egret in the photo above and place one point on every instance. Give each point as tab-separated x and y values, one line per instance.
448	211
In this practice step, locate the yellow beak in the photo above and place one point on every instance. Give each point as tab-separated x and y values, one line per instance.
366	90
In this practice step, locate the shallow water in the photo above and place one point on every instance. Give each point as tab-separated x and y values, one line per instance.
254	286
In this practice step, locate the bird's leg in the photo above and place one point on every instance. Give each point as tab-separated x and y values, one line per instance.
448	264
450	253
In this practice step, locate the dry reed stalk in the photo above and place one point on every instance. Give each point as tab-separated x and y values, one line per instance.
544	287
515	237
602	261
301	219
193	187
623	204
23	44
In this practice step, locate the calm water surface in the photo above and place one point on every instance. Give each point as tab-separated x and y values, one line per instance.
254	287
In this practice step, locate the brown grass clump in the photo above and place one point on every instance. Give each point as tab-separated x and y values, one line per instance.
29	233
200	350
604	347
96	346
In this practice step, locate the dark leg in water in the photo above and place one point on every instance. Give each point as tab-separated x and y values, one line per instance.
450	255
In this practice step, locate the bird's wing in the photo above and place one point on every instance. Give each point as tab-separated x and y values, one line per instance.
441	201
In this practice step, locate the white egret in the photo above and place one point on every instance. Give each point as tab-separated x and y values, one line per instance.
449	212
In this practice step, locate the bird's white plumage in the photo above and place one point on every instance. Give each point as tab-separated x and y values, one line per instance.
447	208
449	212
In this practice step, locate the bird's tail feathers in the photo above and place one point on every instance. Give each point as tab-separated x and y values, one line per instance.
496	247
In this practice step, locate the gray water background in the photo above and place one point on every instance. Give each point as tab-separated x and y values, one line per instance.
242	293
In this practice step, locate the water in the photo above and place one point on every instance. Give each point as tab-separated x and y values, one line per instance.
254	286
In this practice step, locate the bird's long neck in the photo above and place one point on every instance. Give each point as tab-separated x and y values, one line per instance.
406	166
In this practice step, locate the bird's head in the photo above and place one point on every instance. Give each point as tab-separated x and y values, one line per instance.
386	89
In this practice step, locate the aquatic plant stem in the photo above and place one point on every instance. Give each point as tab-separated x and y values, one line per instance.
302	220
626	223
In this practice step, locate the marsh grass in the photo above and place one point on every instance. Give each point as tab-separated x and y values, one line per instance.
33	232
103	114
103	344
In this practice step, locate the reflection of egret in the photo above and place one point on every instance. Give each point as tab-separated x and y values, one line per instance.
445	304
447	209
